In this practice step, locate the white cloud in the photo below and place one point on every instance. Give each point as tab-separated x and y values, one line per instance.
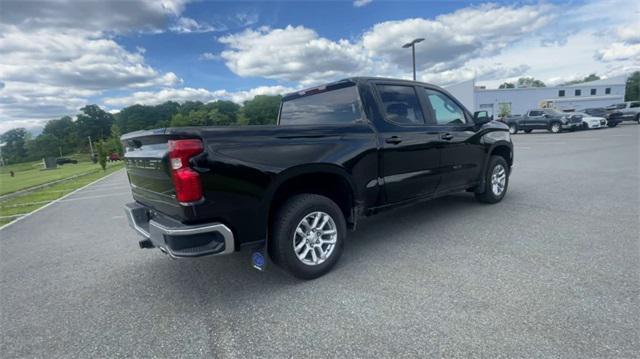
452	39
57	54
361	3
478	72
186	25
209	56
74	59
300	55
192	94
618	51
293	53
91	15
245	18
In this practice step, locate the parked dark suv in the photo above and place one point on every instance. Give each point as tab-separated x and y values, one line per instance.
613	117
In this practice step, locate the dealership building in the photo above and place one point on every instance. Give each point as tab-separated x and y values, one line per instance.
517	101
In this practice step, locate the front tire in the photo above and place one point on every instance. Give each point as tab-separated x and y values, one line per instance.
555	127
496	181
528	131
308	235
513	128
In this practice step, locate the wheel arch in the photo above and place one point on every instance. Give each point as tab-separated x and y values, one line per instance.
500	148
329	180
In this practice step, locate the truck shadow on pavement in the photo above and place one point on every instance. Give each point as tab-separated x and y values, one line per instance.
380	244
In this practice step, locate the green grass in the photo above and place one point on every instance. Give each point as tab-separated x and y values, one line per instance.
31	174
31	201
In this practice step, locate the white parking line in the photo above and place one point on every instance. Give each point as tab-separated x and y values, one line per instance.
58	200
94	197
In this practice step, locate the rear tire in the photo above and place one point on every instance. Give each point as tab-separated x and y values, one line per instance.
528	131
496	181
295	237
638	118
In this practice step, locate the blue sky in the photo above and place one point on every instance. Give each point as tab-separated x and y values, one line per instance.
59	55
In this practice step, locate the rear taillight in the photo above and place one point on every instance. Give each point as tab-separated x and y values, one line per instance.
185	179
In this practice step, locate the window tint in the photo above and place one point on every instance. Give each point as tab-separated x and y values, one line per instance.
535	113
593	92
330	107
578	92
607	91
401	104
444	110
561	93
634	104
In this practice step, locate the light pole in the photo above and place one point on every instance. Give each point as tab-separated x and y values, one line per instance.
412	45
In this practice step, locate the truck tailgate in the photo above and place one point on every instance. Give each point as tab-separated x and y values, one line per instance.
147	163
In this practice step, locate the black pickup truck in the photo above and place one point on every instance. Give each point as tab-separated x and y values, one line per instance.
340	151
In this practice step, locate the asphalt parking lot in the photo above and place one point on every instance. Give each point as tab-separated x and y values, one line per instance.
552	271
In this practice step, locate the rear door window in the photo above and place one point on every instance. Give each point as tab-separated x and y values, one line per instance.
339	106
401	104
535	113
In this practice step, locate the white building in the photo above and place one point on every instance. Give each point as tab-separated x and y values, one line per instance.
517	101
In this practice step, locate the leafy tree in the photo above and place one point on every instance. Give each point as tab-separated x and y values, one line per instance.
102	154
530	82
190	106
227	112
95	122
504	110
262	110
45	145
591	77
632	88
507	85
115	140
142	117
64	130
14	148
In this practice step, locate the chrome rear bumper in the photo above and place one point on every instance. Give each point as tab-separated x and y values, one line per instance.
176	239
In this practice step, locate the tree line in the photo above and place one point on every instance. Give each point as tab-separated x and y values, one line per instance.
66	135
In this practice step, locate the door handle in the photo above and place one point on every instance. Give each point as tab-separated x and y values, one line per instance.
446	136
393	139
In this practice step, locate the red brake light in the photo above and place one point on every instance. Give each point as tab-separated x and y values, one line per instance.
186	180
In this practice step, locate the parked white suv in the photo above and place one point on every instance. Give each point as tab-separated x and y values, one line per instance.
630	110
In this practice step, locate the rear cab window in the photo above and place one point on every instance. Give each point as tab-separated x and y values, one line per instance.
401	104
338	105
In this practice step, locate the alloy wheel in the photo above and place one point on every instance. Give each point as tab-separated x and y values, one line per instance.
498	179
315	238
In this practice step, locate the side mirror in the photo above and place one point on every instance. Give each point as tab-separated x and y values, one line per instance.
481	117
